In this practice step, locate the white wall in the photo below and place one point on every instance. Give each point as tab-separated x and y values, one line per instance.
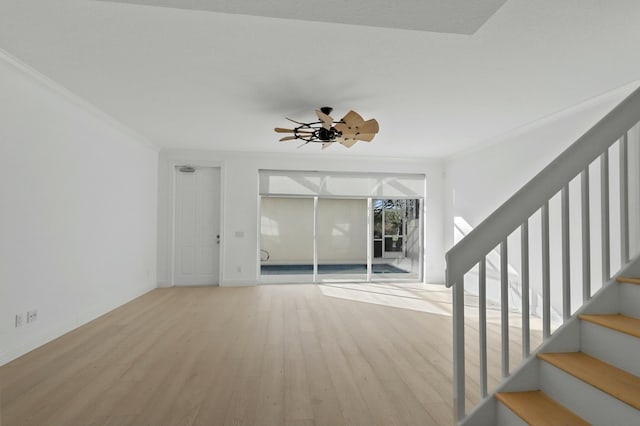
479	182
78	206
240	203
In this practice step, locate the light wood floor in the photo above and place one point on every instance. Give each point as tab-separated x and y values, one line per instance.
357	354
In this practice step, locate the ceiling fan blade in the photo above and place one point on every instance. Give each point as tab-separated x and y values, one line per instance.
327	121
300	146
352	118
302	132
369	126
294	121
326	145
288	138
365	137
343	128
348	142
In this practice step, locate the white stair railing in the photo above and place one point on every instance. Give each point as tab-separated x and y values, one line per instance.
514	217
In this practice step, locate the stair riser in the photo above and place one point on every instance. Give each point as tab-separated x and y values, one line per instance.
612	347
506	417
583	399
483	415
630	300
606	300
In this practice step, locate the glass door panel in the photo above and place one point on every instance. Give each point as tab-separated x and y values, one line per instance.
397	239
286	237
393	230
342	239
377	228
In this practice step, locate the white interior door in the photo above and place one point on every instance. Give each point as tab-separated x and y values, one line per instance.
197	227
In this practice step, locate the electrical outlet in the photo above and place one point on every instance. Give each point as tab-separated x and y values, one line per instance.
19	320
32	316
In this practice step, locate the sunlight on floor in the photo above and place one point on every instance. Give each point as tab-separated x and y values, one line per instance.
434	299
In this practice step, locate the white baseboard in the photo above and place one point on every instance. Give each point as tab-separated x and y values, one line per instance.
237	283
104	307
34	340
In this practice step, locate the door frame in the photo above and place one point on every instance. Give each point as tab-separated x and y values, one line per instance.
173	172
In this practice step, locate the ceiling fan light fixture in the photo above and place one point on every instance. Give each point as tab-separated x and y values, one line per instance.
347	131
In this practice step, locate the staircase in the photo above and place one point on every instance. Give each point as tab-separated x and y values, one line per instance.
597	384
576	227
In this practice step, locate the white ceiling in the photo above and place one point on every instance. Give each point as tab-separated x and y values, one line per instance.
442	16
209	80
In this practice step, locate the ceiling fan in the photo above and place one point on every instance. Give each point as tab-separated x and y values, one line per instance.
349	130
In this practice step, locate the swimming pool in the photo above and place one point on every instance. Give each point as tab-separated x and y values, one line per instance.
377	268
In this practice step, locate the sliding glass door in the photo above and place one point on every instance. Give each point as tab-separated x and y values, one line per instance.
306	239
342	239
397	238
388	237
319	226
287	237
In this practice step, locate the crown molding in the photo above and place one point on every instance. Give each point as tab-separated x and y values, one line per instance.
76	100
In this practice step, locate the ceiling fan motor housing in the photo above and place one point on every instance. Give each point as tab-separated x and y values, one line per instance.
327	134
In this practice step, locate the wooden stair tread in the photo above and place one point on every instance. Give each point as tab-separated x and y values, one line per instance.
605	377
628	280
536	408
618	322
